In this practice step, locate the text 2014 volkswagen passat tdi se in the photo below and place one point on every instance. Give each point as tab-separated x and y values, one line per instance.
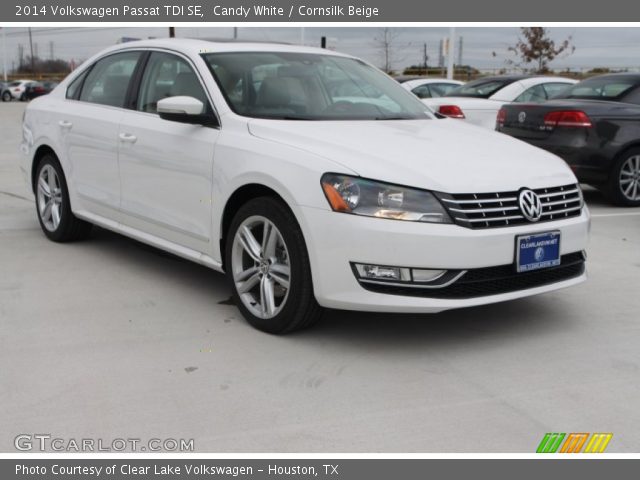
311	178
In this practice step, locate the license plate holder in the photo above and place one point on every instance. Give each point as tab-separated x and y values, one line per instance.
537	251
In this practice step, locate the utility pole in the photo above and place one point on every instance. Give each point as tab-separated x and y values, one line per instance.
33	62
460	52
172	32
452	43
51	50
4	54
425	57
235	33
301	35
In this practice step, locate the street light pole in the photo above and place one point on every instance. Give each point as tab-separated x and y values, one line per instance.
33	61
4	53
451	52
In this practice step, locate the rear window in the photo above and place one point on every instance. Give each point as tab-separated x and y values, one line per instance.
483	88
600	88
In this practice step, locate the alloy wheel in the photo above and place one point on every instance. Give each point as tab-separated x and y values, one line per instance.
630	178
260	267
49	196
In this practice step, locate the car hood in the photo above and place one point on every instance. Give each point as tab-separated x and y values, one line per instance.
442	155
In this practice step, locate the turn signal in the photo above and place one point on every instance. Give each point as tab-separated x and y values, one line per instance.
336	201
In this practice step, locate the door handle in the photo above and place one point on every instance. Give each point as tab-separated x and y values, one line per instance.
127	137
65	124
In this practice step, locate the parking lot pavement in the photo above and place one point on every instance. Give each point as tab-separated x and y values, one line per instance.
108	338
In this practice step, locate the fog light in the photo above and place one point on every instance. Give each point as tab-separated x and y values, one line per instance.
427	275
378	272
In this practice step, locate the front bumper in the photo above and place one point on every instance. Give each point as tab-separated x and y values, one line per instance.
334	240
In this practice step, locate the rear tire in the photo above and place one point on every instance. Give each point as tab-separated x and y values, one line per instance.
53	206
267	265
623	187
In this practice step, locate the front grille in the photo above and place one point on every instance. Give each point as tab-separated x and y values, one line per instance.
481	282
486	210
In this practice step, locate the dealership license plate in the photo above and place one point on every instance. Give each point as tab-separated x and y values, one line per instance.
534	252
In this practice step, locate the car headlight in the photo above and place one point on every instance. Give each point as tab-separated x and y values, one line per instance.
383	200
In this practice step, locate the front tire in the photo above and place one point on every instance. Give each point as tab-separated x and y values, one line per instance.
6	97
623	187
53	206
268	267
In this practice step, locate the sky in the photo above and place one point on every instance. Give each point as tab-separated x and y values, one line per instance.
613	47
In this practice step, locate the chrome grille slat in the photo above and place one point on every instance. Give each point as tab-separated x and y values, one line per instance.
555	194
489	219
561	202
564	210
484	200
501	209
483	210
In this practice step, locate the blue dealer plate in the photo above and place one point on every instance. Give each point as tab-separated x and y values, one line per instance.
541	250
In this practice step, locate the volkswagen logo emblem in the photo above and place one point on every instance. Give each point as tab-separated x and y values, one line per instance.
530	205
522	116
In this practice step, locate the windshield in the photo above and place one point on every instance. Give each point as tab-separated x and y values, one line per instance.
482	88
599	88
302	86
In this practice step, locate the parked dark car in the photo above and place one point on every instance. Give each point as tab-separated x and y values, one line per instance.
37	89
594	126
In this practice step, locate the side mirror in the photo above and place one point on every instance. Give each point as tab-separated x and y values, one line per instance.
185	110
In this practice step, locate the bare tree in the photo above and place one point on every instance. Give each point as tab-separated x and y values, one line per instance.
536	46
386	42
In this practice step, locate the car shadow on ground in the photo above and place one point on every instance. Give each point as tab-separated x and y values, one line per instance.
363	330
594	197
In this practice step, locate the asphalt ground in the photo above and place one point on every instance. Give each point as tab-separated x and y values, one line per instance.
109	338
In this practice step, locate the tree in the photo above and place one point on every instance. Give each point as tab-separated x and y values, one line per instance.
536	46
386	43
29	66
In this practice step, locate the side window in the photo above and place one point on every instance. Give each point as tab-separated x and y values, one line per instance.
532	94
73	90
633	96
108	80
554	89
168	75
422	91
441	89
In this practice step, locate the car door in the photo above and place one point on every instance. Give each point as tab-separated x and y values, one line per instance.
88	125
166	166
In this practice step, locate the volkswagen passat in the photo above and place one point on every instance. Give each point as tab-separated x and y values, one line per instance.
250	159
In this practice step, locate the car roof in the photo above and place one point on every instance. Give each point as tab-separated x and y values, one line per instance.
406	78
505	78
199	46
634	77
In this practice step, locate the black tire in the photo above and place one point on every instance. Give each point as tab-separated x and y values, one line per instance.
614	189
70	227
301	310
6	97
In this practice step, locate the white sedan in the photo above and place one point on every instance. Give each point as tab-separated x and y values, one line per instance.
239	157
479	101
430	87
17	88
